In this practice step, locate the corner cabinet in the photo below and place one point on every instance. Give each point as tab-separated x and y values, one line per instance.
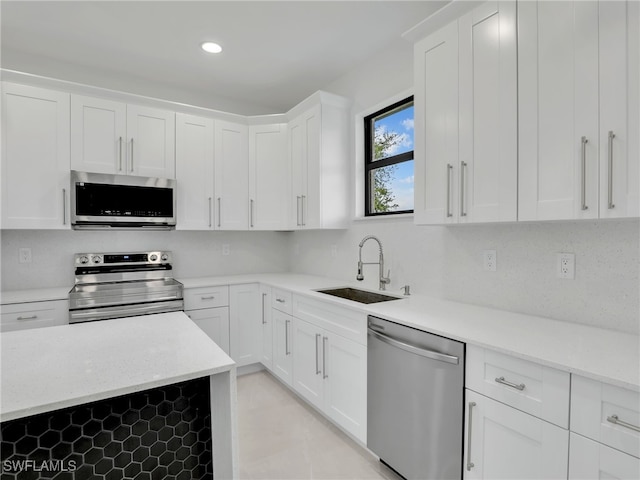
231	176
35	158
466	119
117	138
579	107
318	146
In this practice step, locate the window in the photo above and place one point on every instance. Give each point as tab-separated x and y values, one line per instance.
388	153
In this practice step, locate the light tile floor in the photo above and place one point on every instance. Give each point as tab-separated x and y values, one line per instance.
283	438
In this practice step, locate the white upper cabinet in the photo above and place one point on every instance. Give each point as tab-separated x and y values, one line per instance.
35	157
578	109
619	27
116	138
466	119
194	172
318	151
231	176
269	177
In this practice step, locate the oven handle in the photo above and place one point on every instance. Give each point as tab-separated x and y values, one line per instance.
441	357
176	304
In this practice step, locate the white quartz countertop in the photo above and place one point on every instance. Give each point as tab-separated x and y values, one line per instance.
46	369
34	295
597	353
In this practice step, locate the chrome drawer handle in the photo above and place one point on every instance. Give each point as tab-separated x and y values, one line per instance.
32	317
470	464
280	300
509	384
615	420
207	298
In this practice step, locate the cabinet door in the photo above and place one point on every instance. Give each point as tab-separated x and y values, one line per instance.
307	368
151	146
269	178
558	110
267	327
246	323
345	383
589	460
298	162
231	176
619	109
509	444
488	135
215	323
35	158
310	202
436	127
194	172
98	135
282	346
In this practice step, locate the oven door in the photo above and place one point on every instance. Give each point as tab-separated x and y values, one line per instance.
121	311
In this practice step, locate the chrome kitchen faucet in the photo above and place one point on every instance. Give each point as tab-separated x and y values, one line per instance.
383	280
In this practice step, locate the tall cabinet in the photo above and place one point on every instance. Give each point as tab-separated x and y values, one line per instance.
35	157
466	119
231	175
578	101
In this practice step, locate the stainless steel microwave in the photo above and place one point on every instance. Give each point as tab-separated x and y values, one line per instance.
102	201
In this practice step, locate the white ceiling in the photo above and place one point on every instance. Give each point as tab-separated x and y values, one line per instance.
275	53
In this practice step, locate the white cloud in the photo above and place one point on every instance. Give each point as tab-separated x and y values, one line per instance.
404	141
407	123
407	180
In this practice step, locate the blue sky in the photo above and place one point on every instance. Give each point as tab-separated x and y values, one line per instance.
402	123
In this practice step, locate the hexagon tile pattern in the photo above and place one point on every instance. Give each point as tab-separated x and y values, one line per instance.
162	433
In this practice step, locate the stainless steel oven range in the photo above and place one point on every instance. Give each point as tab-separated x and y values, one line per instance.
116	285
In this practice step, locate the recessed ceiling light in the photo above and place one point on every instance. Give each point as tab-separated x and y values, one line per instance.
211	47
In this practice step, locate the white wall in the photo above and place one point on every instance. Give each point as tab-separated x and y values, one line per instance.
196	254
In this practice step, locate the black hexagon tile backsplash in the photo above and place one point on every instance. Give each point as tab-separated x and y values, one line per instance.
163	433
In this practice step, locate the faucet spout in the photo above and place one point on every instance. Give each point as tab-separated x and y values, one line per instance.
383	280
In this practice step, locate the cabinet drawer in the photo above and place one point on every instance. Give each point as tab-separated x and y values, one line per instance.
589	460
21	316
281	300
206	297
527	386
605	413
345	322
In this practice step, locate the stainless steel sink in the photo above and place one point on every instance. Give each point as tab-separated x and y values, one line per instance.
356	295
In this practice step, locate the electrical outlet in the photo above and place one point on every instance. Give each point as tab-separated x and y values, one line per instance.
25	255
334	251
226	249
567	266
490	258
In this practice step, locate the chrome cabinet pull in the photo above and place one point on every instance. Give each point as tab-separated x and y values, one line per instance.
264	320
251	213
449	169
219	209
302	210
211	297
463	168
64	206
583	154
32	317
324	357
611	137
615	420
286	337
317	352
132	154
280	300
509	384
120	150
298	211
209	212
470	464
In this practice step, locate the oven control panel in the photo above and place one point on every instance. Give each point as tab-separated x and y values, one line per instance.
136	258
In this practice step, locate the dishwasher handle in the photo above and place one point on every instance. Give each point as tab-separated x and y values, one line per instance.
441	357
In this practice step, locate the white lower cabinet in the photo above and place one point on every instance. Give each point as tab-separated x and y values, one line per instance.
330	372
282	351
245	324
267	327
505	443
215	323
589	460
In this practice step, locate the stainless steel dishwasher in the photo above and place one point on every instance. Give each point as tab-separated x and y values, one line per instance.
415	395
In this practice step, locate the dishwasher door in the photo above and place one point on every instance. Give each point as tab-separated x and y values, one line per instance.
415	400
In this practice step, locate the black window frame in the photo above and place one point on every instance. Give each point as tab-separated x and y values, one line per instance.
370	164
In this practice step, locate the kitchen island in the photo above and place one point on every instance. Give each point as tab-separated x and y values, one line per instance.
105	385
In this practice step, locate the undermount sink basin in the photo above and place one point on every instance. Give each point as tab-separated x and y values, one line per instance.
356	295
